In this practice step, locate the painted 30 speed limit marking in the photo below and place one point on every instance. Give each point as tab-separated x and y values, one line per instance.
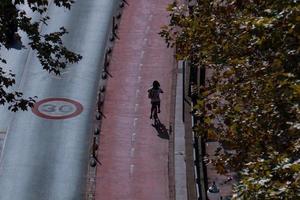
57	108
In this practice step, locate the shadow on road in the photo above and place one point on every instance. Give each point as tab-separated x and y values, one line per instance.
17	45
161	129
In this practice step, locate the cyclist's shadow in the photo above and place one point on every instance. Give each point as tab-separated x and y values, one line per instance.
161	129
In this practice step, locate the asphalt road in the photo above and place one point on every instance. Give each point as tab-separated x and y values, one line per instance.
46	158
135	153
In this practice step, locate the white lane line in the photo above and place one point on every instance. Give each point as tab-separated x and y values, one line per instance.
134	122
133	138
136	107
132	152
145	41
147	29
142	54
131	169
137	93
139	79
150	17
140	67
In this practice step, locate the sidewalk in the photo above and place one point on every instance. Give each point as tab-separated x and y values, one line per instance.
179	142
133	153
223	182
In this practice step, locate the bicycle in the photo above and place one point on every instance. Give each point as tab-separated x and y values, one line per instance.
155	115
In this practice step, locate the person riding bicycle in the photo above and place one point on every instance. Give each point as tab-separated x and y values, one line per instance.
153	94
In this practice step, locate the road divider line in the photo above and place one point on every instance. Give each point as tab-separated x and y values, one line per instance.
137	93
136	107
145	41
142	54
132	152
134	122
147	29
131	169
150	17
133	138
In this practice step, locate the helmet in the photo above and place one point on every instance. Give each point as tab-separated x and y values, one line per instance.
156	84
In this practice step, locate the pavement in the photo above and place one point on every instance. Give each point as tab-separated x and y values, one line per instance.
179	142
223	182
134	153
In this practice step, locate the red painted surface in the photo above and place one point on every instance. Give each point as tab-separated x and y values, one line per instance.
134	156
77	105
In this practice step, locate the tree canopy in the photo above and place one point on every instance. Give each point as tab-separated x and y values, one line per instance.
251	101
49	48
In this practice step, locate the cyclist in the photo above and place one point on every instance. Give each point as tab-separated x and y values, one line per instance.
153	94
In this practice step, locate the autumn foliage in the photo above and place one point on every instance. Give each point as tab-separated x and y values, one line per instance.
251	100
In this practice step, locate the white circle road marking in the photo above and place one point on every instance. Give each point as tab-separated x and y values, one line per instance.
57	108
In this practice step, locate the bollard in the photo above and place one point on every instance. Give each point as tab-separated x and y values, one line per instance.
104	75
93	162
106	62
112	38
97	131
100	99
95	146
102	88
98	116
99	104
115	25
125	2
102	115
119	15
108	50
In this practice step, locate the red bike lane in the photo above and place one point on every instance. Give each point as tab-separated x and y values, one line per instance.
133	153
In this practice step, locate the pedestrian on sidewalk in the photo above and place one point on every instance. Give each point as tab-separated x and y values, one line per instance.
153	94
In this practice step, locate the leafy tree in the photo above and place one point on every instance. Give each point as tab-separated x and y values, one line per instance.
51	52
251	103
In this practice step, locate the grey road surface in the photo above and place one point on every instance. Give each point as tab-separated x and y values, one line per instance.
46	159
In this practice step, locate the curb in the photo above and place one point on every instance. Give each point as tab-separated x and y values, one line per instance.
171	163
